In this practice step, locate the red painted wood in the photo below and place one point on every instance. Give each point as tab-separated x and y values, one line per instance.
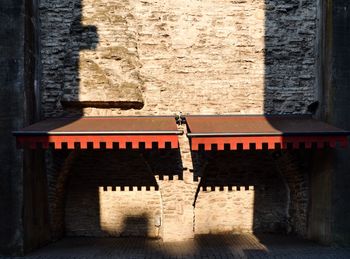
271	141
34	142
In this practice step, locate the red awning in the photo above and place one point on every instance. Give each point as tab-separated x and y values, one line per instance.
108	132
258	132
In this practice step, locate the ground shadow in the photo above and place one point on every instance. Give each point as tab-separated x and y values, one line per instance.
210	246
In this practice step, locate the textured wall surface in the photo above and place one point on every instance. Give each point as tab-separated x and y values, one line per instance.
220	211
11	117
294	168
97	206
261	203
339	115
160	57
137	212
290	55
334	225
114	193
121	57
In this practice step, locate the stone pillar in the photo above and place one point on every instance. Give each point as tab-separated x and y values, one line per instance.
331	205
12	117
177	199
23	218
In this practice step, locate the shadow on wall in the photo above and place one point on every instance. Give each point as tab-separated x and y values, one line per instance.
80	67
246	191
165	163
252	191
290	56
111	193
291	87
63	37
92	191
75	74
138	222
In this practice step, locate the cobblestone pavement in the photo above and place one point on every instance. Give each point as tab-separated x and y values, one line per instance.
209	246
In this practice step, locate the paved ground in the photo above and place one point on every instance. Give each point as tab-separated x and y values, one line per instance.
211	246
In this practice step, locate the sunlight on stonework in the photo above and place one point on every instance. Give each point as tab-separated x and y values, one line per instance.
129	213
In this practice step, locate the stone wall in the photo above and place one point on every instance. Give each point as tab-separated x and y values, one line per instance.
221	210
58	170
331	211
152	193
242	192
137	212
159	57
154	57
337	111
12	117
162	57
291	55
112	194
295	168
253	191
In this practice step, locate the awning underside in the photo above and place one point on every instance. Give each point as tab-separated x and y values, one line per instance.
262	132
103	132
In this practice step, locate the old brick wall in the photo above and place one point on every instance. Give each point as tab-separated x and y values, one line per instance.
177	186
330	212
151	193
253	191
162	57
220	210
337	109
12	117
131	57
291	55
295	167
59	164
112	194
22	178
249	194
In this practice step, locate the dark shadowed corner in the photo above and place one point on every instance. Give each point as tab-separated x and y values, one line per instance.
11	116
46	51
290	82
310	60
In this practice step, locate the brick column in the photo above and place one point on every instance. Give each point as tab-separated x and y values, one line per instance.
177	199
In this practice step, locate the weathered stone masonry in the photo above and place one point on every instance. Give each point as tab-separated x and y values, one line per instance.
289	59
131	57
191	56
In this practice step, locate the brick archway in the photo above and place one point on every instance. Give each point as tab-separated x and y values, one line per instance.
119	199
291	166
252	191
60	163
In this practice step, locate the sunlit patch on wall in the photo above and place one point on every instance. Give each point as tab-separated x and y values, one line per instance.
129	212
